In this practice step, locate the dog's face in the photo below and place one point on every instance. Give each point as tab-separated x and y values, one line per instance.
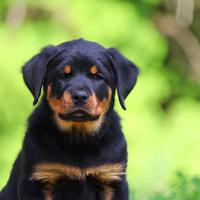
79	90
79	80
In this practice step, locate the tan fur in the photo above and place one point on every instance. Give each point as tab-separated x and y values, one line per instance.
48	192
93	70
108	193
93	105
51	172
68	69
59	105
103	105
86	127
106	173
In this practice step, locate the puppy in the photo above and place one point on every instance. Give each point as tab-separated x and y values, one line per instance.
74	148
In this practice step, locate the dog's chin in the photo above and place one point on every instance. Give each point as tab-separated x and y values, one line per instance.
78	116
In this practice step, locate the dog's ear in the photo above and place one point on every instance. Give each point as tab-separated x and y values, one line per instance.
35	69
125	72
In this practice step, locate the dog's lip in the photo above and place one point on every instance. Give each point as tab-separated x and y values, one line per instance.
78	111
78	115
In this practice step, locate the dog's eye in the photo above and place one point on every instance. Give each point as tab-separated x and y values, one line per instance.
94	73
96	76
68	71
67	76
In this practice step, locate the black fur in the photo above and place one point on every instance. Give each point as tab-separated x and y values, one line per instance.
45	142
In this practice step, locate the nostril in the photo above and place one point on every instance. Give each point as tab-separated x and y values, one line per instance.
75	97
85	97
80	97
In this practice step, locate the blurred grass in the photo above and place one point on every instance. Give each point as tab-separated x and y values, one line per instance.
159	144
182	188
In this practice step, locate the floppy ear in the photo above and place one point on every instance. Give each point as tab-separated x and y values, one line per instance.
125	72
35	69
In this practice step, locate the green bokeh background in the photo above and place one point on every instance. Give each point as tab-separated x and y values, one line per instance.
160	142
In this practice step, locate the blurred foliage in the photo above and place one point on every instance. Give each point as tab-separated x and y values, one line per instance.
162	120
182	189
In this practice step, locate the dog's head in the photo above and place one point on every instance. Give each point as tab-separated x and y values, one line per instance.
79	79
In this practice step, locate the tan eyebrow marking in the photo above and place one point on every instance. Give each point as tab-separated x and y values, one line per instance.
93	69
68	69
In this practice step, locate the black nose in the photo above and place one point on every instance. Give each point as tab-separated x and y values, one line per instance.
80	97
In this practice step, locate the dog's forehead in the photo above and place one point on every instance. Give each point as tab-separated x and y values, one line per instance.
85	46
77	60
79	54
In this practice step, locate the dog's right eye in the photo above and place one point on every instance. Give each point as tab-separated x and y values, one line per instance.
94	73
67	76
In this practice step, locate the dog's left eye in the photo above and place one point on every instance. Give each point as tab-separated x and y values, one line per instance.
96	76
68	71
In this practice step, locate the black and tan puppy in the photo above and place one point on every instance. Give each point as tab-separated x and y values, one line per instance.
74	148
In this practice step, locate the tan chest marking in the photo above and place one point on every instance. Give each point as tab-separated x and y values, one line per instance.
108	193
51	172
48	192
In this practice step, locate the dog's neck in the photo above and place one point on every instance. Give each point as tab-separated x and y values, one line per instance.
44	117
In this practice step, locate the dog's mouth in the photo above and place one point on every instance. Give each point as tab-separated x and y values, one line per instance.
78	115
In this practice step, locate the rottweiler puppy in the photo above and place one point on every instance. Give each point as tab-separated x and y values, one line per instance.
74	148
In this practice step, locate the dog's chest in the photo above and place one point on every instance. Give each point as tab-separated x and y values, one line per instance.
70	182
